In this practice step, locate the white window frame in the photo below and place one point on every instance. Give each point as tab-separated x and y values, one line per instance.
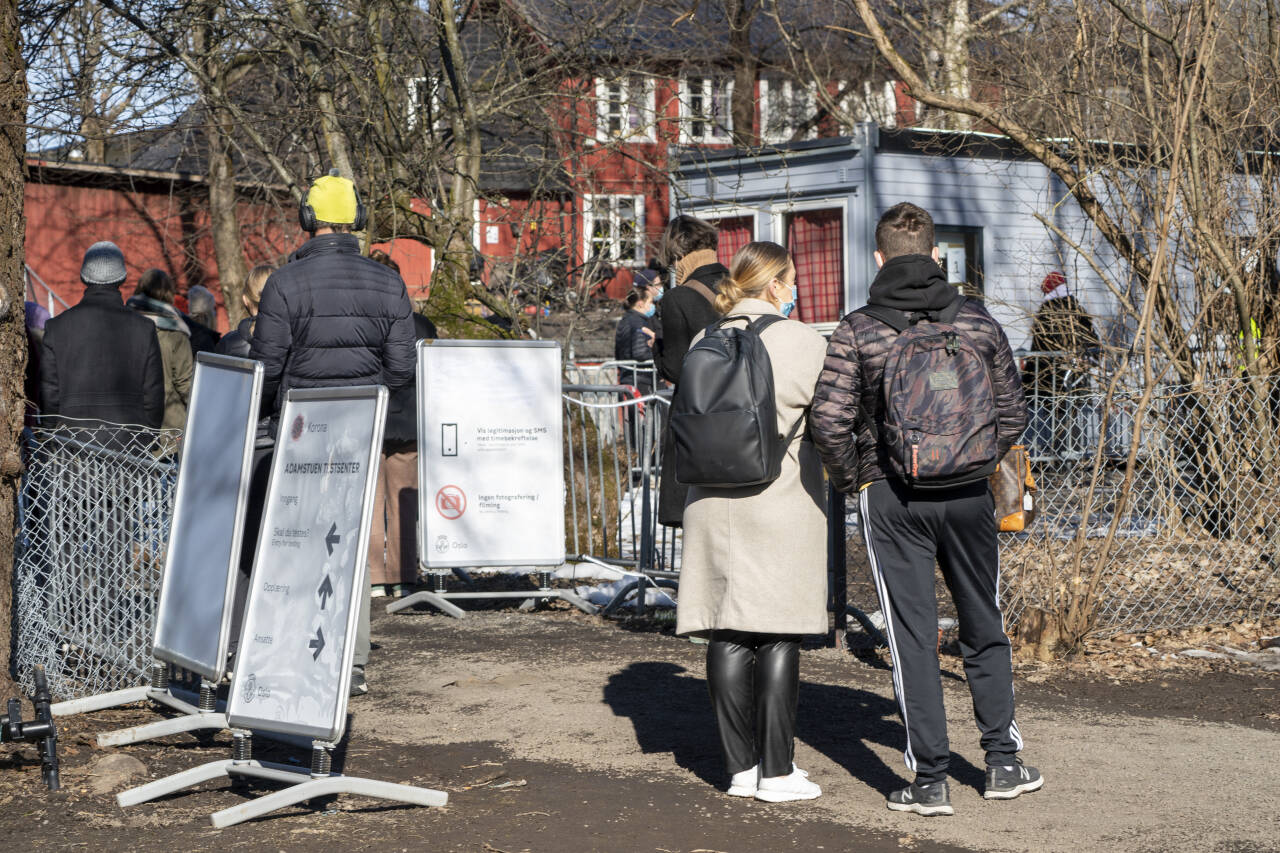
647	132
880	107
414	87
786	90
595	205
779	214
687	117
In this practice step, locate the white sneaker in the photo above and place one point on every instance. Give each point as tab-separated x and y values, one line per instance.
783	789
743	784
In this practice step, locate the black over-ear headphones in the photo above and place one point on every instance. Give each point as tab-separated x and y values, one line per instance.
307	214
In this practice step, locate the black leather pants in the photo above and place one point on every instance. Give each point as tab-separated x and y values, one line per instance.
754	681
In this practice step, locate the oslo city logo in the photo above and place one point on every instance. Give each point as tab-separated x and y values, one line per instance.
250	688
295	431
442	544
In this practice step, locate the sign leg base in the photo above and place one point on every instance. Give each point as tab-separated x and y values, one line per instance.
162	728
424	597
174	783
101	702
323	787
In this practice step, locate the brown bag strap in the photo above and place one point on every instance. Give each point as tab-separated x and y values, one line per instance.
706	292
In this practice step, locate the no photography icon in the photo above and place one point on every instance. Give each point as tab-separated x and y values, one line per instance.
451	502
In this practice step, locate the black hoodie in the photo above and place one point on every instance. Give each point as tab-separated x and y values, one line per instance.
912	283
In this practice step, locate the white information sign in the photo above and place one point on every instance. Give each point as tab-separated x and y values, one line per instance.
956	265
293	665
490	454
193	620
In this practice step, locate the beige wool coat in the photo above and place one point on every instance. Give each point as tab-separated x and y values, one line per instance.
755	557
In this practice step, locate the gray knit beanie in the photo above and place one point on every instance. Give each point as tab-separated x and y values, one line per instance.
103	264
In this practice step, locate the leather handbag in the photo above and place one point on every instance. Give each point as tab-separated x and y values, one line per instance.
1014	487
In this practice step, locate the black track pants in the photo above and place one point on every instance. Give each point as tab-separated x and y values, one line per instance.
754	681
905	531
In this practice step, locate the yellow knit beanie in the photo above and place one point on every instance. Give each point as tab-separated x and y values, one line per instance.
333	199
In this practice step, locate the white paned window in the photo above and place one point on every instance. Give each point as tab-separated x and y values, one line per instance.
706	109
876	102
426	103
614	228
625	109
785	107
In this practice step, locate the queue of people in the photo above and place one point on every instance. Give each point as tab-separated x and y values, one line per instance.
753	581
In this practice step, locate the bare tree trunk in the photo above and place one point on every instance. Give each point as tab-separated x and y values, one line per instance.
13	341
743	107
957	35
335	141
224	219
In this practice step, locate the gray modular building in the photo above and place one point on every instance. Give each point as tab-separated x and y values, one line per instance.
822	198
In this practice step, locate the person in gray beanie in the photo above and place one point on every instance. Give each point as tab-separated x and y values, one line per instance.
101	362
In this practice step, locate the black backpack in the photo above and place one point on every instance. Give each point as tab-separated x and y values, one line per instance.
939	401
724	422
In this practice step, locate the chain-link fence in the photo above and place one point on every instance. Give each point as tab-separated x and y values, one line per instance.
1189	535
94	512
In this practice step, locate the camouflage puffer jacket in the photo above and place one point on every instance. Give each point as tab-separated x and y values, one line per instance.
853	373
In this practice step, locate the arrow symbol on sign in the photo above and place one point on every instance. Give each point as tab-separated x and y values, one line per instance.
317	644
333	538
325	590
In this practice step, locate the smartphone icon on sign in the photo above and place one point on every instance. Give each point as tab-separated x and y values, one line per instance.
448	439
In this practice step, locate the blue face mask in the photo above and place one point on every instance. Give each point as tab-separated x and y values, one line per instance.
787	307
657	294
648	312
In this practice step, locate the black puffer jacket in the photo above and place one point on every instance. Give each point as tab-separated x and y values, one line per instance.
100	361
853	373
330	317
239	341
402	408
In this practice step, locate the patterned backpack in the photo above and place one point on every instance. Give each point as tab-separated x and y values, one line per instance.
939	403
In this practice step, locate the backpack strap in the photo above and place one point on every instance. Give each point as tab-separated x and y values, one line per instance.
891	317
764	321
701	288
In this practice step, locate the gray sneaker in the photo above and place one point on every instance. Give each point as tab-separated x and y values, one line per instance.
1005	783
927	800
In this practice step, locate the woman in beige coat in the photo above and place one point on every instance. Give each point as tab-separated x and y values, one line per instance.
754	574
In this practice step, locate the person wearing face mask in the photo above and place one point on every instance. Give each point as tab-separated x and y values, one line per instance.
633	338
754	572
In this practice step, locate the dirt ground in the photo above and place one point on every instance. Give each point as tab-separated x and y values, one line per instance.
556	732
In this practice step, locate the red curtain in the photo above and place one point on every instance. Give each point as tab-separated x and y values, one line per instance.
734	234
816	241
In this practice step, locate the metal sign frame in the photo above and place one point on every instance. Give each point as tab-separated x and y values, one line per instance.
169	643
262	558
422	417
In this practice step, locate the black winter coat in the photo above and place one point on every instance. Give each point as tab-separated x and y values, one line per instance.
685	312
239	341
101	362
853	373
402	407
330	317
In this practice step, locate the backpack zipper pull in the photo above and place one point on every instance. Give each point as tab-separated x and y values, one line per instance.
953	343
915	455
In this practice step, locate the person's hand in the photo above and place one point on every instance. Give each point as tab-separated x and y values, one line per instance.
649	336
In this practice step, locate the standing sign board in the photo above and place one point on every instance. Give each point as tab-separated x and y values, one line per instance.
293	667
490	454
201	567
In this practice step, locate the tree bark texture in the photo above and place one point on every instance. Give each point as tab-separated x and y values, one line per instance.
13	339
224	220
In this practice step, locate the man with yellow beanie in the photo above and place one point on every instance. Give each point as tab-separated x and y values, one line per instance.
332	317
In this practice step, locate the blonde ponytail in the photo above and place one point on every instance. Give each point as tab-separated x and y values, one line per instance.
750	271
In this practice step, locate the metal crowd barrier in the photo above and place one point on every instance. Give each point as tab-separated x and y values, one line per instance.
93	518
613	472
